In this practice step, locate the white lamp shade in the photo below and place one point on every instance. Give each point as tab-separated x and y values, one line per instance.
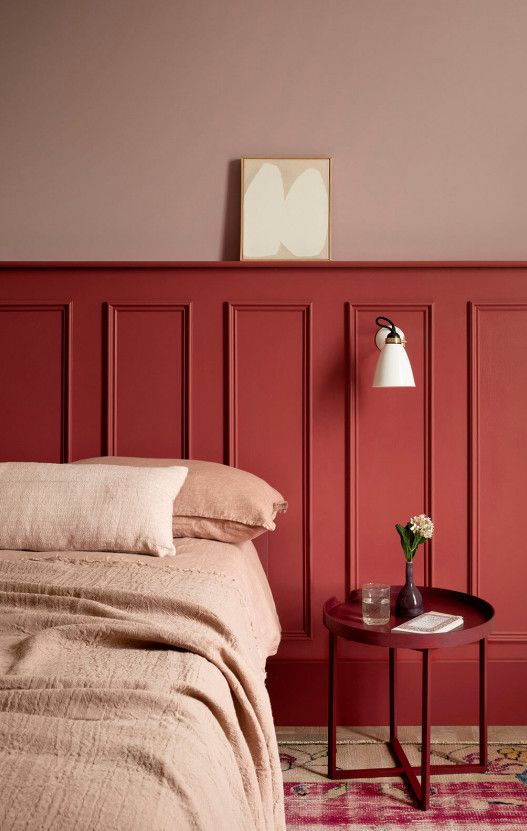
393	366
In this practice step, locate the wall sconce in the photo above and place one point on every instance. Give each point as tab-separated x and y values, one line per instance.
393	366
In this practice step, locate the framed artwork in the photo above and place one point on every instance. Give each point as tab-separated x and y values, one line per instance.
285	211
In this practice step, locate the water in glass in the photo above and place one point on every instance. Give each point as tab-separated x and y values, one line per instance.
375	604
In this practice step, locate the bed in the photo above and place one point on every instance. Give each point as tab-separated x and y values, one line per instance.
132	690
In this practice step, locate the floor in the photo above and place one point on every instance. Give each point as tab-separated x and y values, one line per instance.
303	750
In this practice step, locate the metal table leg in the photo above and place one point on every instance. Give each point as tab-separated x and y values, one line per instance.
420	790
425	732
393	693
483	743
332	714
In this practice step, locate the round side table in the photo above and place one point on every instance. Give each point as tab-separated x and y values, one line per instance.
344	620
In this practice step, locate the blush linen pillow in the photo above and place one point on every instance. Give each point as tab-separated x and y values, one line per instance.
217	502
47	507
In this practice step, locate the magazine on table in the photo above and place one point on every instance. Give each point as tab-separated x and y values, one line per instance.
430	623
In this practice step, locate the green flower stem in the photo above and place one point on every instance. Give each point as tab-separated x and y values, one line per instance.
410	542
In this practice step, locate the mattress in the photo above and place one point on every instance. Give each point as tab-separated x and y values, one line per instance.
132	691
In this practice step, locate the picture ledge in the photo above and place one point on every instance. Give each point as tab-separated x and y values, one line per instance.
251	264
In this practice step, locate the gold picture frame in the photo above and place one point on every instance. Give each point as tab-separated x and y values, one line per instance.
285	208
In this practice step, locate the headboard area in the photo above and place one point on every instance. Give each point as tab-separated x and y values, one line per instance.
269	367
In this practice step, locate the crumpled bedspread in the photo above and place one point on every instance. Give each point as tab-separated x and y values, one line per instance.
133	698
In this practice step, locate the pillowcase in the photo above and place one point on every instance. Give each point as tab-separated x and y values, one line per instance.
47	507
217	502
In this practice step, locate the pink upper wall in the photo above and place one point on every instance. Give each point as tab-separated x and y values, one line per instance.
122	122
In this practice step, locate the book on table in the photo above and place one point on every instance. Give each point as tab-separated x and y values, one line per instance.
430	623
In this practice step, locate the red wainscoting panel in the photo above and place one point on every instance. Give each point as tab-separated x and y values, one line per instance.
148	372
269	422
499	463
269	366
35	349
390	442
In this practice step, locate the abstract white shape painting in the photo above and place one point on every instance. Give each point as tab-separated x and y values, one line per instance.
285	209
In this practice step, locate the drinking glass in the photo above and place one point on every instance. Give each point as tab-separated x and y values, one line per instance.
375	604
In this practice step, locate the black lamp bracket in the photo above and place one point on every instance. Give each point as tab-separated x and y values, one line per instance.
382	321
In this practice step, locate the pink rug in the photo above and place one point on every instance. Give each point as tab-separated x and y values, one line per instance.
496	799
467	806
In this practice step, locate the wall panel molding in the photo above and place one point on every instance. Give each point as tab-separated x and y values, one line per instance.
474	564
233	312
235	382
352	422
113	310
66	313
508	637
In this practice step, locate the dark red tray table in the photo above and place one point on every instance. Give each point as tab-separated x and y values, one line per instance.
344	620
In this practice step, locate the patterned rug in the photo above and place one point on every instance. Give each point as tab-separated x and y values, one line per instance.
496	799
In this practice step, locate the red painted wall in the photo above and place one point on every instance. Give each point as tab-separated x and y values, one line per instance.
270	368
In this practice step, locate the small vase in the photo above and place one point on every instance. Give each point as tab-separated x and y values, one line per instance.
409	600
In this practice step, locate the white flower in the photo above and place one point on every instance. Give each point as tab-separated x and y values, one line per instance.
422	525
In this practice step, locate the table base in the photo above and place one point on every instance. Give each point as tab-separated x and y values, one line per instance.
420	790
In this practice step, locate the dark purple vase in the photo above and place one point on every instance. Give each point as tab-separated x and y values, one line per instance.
409	600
